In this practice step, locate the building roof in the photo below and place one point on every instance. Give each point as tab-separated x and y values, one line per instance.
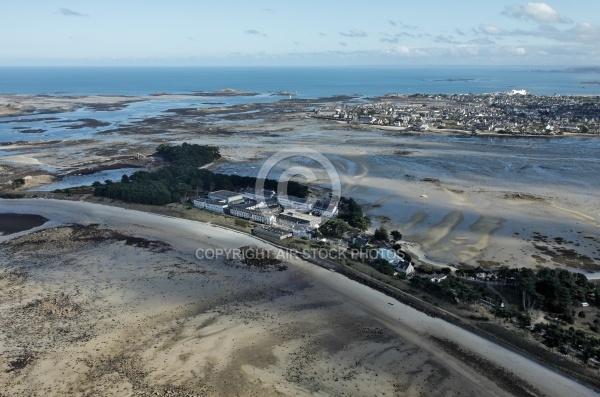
294	199
224	193
403	266
210	201
261	212
307	228
297	216
266	193
322	205
389	255
244	205
273	229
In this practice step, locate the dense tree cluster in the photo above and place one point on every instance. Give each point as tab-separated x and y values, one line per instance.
353	214
172	182
563	340
188	154
450	289
350	218
335	228
383	266
554	290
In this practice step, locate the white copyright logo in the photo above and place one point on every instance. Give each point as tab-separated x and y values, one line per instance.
298	169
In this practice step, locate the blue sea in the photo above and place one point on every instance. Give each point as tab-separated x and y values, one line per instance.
304	82
307	82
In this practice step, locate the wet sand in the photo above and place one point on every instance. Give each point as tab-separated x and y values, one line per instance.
15	223
124	308
463	200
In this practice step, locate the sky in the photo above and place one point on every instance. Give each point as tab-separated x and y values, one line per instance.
299	33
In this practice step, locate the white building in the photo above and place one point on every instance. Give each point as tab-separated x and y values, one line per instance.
400	265
322	207
248	205
240	212
264	217
290	219
226	195
211	205
436	278
291	202
303	230
252	194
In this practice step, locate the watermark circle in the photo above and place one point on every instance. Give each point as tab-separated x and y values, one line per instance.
299	169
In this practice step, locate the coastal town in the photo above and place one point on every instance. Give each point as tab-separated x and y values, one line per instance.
512	113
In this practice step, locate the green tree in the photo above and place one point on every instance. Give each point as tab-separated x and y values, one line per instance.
396	235
353	214
170	183
334	227
526	284
381	234
383	266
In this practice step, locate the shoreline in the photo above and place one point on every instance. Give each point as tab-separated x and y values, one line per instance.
483	134
451	132
323	275
387	171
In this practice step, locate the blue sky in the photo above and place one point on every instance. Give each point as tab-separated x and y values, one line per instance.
235	32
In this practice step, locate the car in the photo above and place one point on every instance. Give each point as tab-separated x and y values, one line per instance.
585	304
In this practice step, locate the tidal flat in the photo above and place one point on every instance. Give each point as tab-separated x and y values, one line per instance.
111	301
457	199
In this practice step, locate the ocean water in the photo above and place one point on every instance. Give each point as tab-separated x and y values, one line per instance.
307	82
86	180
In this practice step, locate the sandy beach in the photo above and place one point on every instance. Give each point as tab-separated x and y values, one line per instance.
108	301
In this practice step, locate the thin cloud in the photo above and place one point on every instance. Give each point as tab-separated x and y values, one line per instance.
403	25
70	13
354	33
539	12
459	32
406	51
395	38
485	54
445	39
491	30
582	33
481	41
254	32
